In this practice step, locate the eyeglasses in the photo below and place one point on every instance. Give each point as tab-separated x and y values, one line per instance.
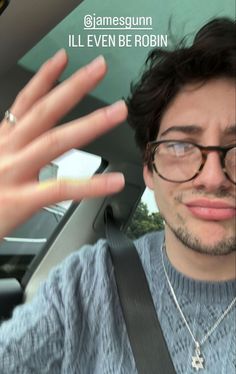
180	161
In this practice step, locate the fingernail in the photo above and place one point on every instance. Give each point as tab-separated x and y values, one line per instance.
60	55
117	108
75	181
116	180
47	184
52	182
98	61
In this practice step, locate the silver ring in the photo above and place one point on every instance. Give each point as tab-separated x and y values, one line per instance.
10	118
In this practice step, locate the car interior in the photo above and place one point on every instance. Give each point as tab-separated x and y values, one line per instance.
29	35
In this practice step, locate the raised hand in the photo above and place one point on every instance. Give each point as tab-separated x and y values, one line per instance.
32	142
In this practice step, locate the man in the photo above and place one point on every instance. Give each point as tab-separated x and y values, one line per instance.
183	112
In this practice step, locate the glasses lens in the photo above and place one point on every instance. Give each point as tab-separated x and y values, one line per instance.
230	163
177	161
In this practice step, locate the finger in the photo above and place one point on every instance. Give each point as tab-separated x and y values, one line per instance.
60	140
51	192
38	86
47	111
32	197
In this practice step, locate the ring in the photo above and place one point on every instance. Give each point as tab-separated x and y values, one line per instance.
10	118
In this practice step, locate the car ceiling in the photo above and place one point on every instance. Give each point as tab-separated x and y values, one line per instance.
26	24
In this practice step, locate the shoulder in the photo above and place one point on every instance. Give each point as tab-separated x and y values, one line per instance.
148	248
87	257
91	267
80	270
149	242
92	259
92	264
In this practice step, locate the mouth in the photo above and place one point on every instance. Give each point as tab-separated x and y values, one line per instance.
212	210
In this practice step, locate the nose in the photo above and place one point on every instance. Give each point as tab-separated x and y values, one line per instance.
212	176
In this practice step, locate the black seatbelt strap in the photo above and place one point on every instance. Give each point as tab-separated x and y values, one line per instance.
147	342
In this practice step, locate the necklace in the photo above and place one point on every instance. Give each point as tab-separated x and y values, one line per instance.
197	358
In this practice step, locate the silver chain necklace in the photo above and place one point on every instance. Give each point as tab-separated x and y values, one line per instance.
197	358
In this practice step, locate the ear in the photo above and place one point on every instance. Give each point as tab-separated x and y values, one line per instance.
148	177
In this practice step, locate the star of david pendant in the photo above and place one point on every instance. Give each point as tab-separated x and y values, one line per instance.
197	360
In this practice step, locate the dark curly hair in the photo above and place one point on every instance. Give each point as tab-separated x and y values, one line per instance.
212	54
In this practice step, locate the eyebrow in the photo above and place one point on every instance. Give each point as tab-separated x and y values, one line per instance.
190	129
197	130
230	130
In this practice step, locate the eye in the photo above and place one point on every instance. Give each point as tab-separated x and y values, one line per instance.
179	149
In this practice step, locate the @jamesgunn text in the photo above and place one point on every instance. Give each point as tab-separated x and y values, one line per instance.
117	40
94	22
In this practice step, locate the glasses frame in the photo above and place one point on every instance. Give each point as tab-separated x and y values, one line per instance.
205	150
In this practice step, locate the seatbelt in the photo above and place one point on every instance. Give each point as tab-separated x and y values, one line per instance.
147	341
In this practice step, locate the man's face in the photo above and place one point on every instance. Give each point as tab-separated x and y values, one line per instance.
204	115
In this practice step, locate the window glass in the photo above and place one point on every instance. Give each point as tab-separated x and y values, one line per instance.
19	248
146	217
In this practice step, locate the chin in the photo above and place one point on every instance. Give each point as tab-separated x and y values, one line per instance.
212	229
206	237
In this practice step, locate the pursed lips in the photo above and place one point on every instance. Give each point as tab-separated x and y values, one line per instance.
215	210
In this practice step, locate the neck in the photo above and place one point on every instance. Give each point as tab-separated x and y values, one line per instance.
197	265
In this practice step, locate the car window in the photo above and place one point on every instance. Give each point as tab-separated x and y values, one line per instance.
146	218
19	248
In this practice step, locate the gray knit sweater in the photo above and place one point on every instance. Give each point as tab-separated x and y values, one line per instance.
75	323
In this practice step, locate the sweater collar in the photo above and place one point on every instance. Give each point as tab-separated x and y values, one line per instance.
204	291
